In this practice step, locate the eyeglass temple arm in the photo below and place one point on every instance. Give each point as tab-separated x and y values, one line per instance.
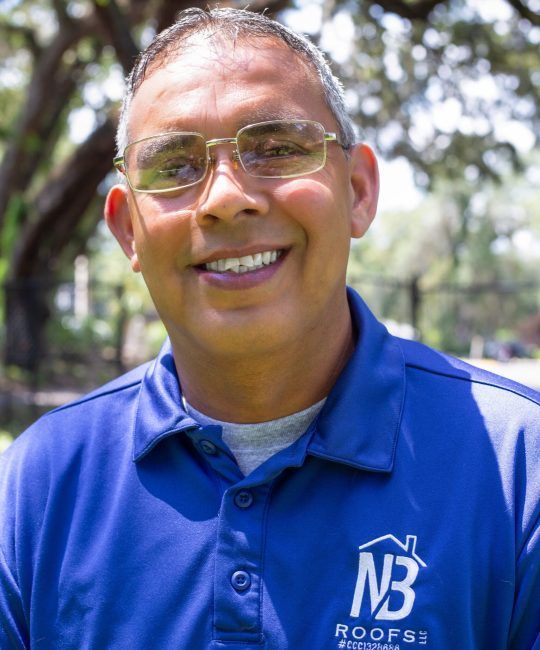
332	137
118	162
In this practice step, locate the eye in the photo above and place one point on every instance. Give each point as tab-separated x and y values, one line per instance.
273	149
172	169
178	166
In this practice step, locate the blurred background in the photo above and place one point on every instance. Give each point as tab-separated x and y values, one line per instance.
447	93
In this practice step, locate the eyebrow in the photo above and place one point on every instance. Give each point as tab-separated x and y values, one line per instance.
144	154
252	116
263	114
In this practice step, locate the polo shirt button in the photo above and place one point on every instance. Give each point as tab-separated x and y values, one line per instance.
241	580
208	447
243	498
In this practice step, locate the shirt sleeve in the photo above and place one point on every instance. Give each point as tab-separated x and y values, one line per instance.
525	629
525	623
13	634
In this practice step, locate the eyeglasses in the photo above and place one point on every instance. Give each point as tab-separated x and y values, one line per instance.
276	149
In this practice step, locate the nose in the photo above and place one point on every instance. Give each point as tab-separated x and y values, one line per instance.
228	193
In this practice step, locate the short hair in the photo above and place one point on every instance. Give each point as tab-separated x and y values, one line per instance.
234	24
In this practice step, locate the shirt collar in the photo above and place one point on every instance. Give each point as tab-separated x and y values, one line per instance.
357	426
360	421
159	410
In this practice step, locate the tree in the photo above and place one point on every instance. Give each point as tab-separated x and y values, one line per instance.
439	82
409	61
486	285
48	211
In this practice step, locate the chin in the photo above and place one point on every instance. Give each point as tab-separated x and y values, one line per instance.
255	339
248	339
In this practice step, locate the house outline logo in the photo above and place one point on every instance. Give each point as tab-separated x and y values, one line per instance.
384	587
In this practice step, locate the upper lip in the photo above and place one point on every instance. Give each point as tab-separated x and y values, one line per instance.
227	253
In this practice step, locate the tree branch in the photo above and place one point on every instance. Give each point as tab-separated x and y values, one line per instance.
118	32
167	11
47	94
62	203
61	12
137	11
26	33
525	12
419	10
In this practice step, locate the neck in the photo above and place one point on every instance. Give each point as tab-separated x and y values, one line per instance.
250	387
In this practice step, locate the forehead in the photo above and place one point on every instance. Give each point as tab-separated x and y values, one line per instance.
249	79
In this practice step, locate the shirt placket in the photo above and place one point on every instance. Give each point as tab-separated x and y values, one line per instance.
237	607
239	565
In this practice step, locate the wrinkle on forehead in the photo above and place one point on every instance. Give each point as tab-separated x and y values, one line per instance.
215	69
235	55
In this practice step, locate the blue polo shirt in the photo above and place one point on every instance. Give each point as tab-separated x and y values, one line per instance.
406	517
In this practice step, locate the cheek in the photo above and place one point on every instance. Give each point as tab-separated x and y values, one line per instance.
321	208
301	190
159	233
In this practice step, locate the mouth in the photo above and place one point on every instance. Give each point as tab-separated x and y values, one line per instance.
244	264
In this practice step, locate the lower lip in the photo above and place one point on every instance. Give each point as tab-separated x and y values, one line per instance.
231	280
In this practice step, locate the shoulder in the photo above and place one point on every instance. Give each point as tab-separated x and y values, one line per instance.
90	421
434	367
477	408
488	420
450	395
119	388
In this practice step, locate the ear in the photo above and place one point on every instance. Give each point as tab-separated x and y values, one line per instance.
365	185
118	218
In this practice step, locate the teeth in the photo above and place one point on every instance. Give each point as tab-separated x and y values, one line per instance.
247	260
245	263
230	263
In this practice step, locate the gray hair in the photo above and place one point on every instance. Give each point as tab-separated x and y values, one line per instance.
234	23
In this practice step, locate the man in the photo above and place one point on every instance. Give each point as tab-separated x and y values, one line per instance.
285	474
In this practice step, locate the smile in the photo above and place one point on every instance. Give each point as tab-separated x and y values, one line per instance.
244	264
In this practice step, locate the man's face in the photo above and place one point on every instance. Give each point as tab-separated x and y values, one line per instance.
215	89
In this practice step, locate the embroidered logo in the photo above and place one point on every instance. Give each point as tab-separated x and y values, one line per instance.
387	570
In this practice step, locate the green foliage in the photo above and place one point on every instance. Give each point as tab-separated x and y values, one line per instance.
80	337
439	91
455	92
477	255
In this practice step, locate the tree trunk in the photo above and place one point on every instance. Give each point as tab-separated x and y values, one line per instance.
27	312
59	208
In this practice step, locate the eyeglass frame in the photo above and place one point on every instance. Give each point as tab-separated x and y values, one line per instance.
119	161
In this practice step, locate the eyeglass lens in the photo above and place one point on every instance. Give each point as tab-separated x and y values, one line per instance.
281	149
277	149
166	161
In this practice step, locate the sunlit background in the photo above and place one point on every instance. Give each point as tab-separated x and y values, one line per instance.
448	99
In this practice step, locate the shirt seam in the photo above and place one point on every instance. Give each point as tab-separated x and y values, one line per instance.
473	380
527	537
401	408
15	579
263	551
91	398
351	463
